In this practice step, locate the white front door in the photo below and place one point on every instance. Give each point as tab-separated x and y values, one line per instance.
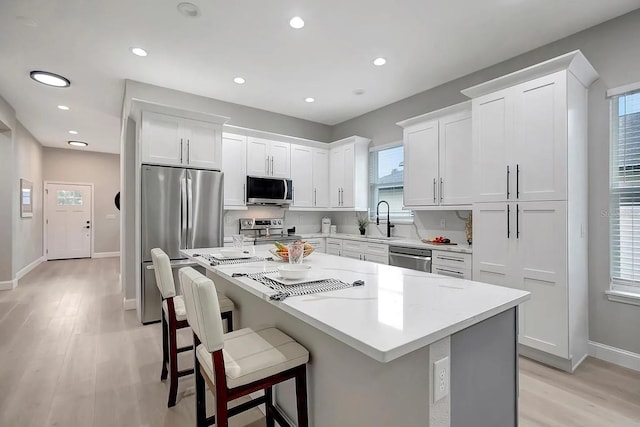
68	221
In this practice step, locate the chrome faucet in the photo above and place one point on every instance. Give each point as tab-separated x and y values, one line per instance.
389	225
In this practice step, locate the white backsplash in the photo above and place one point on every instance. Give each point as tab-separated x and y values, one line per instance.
427	224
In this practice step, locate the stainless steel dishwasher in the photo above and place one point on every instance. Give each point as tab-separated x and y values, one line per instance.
413	258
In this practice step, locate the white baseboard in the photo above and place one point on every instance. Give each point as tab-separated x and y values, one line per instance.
23	272
129	304
105	254
615	355
8	285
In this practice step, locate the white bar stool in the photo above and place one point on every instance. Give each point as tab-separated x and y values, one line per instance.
240	362
174	317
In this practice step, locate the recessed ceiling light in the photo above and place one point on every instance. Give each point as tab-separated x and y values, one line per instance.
358	91
379	61
63	107
189	10
239	80
50	79
78	143
73	132
296	22
309	99
138	51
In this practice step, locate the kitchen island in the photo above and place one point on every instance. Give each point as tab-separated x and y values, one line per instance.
373	347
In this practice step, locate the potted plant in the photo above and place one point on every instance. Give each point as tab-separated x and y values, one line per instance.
363	221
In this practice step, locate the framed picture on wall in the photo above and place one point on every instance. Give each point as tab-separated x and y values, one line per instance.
26	198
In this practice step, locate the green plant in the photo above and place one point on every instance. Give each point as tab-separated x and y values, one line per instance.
363	221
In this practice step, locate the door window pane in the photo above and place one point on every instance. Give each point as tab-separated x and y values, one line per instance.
69	198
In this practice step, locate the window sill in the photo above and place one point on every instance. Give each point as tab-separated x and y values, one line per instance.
623	297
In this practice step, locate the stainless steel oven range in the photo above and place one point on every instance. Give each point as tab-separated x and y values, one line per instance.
265	231
413	258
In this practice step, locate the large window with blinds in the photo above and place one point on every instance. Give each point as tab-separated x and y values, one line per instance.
386	181
625	192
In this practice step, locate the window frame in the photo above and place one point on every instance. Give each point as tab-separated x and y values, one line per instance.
408	216
620	289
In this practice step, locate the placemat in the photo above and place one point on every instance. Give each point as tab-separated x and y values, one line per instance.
285	291
215	262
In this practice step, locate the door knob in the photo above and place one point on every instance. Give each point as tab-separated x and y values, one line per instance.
87	226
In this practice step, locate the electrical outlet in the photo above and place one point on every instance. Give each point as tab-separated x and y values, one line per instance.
443	223
440	379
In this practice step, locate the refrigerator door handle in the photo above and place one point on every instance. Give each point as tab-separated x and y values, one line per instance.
189	212
183	213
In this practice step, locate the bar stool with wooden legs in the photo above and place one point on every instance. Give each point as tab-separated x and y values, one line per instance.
240	362
174	317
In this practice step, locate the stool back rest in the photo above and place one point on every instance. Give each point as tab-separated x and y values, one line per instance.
164	275
203	311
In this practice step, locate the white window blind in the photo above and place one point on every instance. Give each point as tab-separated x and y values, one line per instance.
386	182
625	192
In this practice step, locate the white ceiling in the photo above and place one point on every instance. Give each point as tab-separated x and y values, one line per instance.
426	43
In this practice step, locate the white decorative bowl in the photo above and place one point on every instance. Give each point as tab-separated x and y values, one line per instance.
294	271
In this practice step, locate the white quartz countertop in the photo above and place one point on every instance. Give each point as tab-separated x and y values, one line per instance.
396	241
396	312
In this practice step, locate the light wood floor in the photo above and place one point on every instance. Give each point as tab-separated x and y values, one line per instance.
70	356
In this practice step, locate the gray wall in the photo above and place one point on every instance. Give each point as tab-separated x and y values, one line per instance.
27	232
7	200
614	50
239	115
103	171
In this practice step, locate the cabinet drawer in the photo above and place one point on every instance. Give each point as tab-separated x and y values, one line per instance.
451	259
380	259
318	244
460	273
377	249
354	246
334	243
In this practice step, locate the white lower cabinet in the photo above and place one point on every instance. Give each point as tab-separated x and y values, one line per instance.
525	246
452	264
318	243
365	251
334	246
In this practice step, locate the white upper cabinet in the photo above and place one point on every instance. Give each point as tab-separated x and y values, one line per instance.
320	178
520	141
540	138
437	158
234	154
268	158
349	173
421	164
176	141
302	175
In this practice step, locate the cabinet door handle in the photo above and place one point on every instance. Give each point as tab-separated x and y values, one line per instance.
508	173
315	197
434	191
441	187
450	259
271	165
180	150
266	165
188	151
508	226
517	181
517	221
244	193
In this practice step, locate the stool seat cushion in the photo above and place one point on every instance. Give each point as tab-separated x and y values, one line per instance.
251	355
181	312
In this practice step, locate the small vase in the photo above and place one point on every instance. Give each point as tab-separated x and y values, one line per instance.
362	231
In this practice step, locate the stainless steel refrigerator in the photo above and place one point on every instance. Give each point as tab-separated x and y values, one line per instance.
180	209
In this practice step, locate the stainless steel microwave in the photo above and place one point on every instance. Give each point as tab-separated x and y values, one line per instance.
269	191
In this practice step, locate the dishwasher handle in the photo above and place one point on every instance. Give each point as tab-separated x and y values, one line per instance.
421	258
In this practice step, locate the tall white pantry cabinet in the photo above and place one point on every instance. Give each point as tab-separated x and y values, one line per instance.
530	200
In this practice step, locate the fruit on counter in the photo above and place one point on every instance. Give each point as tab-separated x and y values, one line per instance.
440	239
280	245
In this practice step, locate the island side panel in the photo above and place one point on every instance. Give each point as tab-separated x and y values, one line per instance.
484	373
345	386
